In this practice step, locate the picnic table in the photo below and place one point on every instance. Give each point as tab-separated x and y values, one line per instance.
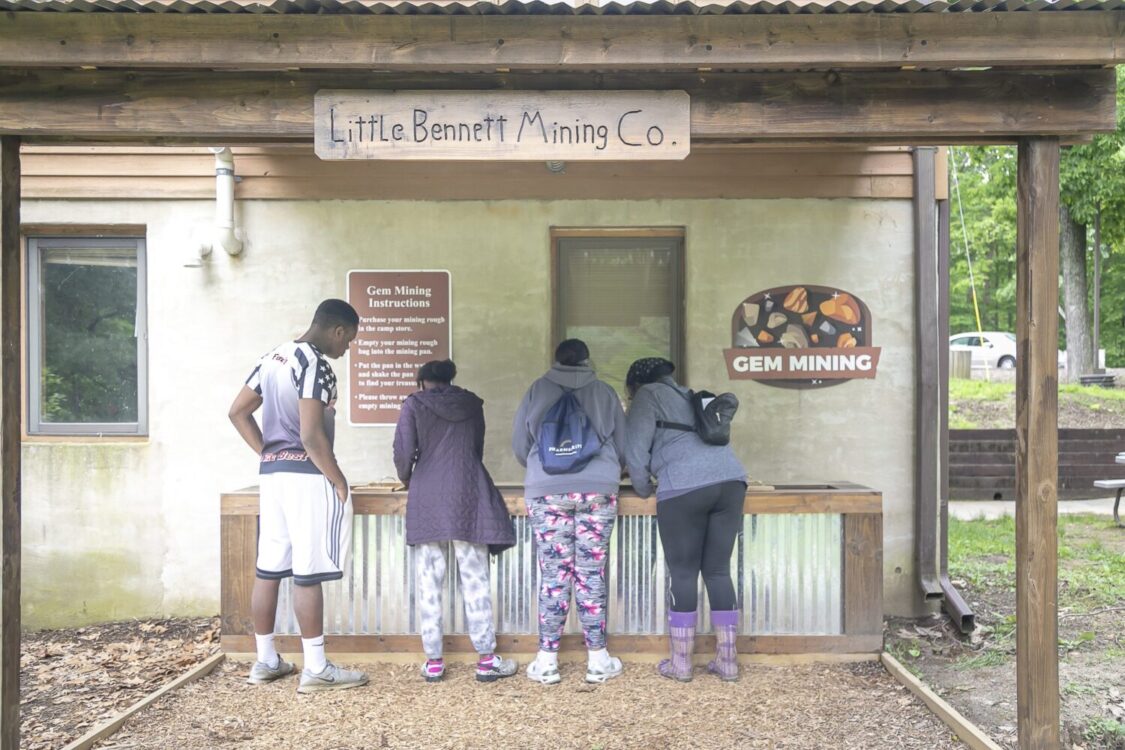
1114	484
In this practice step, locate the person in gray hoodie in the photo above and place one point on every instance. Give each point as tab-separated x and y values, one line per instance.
572	514
700	490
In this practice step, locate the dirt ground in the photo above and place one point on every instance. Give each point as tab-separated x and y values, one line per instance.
73	679
976	674
791	708
1073	413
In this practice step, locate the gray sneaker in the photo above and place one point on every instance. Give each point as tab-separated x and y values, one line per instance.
332	678
495	668
261	673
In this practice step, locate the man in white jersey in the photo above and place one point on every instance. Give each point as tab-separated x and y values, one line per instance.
305	514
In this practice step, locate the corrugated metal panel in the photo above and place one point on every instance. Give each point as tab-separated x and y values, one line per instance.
786	570
559	7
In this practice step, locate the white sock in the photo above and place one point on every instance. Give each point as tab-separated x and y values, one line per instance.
548	658
315	660
267	654
597	656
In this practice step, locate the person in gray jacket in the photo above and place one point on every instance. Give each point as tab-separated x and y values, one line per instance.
572	514
700	489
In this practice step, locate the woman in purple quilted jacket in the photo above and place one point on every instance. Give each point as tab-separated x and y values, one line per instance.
438	452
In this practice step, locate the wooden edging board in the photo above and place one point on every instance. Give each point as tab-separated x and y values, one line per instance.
107	728
966	731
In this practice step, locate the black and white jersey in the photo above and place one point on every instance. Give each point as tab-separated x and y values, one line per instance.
293	371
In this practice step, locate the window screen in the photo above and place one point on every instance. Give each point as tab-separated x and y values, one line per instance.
623	297
87	344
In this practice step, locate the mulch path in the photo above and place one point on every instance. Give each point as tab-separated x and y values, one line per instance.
792	707
73	679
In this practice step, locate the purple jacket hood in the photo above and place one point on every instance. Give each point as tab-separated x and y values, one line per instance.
451	403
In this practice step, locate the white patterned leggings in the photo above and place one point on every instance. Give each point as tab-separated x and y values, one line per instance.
429	575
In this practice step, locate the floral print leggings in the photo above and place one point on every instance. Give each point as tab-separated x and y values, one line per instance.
572	534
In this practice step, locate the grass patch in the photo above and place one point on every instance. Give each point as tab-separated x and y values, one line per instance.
989	657
1090	573
983	390
1078	688
979	390
1105	731
958	421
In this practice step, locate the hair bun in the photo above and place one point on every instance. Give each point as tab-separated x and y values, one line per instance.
438	371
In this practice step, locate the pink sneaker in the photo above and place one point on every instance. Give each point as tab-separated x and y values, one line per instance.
433	670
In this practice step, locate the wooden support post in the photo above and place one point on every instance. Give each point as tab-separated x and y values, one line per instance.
238	551
10	441
1037	295
863	574
927	422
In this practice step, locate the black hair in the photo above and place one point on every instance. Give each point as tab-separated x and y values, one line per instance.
572	352
437	371
648	370
335	312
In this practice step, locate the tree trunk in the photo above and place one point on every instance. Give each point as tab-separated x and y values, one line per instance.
1072	254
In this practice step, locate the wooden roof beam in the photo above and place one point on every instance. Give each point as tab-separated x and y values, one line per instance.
890	107
488	43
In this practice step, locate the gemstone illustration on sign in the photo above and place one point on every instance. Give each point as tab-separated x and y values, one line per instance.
801	336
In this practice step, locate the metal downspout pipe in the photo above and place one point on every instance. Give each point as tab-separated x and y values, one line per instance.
928	399
931	518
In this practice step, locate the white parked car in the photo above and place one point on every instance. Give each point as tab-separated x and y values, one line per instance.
994	349
990	349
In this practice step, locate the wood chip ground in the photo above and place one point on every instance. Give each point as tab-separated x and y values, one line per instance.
791	708
73	679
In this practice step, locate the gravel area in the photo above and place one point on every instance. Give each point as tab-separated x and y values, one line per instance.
792	707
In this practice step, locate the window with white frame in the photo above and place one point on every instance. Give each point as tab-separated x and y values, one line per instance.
87	336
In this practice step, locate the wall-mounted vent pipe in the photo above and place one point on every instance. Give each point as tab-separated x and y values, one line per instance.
226	235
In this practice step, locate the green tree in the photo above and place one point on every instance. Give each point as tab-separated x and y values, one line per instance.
1092	180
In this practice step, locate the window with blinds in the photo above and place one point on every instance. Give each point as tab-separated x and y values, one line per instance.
623	296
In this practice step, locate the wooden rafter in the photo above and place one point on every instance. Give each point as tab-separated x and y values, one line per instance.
896	107
555	43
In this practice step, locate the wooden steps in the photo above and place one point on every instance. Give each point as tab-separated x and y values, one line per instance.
982	462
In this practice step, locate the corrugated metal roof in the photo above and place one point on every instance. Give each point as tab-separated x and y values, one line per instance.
557	7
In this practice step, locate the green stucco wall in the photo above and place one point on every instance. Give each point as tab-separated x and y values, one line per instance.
127	530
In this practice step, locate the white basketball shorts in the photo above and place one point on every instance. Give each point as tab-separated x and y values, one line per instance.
304	530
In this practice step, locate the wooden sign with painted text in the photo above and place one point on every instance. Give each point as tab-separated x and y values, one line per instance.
503	125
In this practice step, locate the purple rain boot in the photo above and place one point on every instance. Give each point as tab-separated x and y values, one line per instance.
681	631
725	625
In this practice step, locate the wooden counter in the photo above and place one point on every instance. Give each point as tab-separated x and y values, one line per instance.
860	572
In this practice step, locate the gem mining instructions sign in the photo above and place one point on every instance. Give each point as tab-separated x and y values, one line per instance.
503	125
403	323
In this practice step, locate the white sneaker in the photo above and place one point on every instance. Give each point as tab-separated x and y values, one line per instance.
262	673
332	678
545	674
600	671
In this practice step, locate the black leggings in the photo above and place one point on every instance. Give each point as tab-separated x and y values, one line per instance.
698	531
